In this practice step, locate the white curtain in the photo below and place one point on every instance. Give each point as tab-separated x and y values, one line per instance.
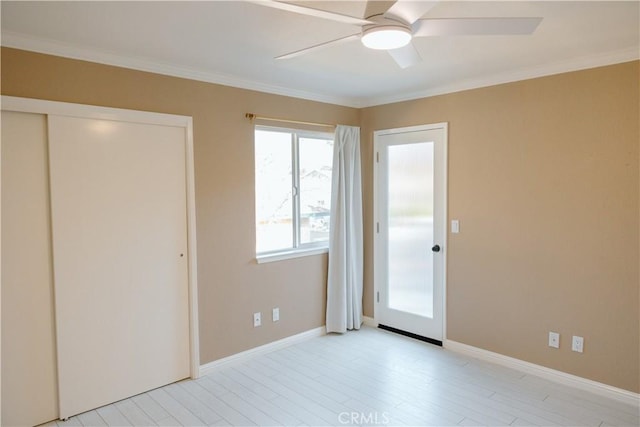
344	286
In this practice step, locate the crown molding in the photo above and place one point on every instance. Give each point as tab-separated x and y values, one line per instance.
65	50
565	66
24	42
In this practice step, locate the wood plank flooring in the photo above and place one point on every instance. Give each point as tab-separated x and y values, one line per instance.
367	377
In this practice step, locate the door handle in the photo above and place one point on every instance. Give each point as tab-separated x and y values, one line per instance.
436	248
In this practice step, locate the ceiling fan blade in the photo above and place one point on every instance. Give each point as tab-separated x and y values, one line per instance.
377	7
405	56
409	11
309	11
475	26
319	46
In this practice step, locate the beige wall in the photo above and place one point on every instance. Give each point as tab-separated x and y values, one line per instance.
231	285
543	175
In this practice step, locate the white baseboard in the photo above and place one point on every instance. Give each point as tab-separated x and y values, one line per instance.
207	368
595	387
369	321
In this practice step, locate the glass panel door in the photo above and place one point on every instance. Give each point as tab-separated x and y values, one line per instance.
410	215
410	228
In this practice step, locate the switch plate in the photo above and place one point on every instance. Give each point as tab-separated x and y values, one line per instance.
455	226
257	319
554	339
276	314
577	344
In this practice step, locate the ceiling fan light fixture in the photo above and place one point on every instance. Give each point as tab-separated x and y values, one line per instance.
386	37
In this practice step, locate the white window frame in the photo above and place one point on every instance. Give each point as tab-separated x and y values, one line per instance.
298	249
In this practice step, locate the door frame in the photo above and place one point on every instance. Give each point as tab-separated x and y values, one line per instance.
444	126
39	106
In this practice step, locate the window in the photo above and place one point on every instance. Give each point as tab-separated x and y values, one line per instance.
293	190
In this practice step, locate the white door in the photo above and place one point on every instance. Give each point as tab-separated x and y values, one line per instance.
29	387
118	202
410	221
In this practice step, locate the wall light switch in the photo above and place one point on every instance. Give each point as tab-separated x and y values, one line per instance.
554	339
455	226
257	319
276	314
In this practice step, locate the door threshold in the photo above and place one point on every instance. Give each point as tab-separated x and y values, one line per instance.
411	335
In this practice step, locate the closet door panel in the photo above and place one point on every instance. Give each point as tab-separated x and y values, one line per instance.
118	198
29	388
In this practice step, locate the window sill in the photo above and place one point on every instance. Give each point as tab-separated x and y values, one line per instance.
284	255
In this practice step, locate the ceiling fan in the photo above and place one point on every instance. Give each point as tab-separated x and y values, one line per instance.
392	30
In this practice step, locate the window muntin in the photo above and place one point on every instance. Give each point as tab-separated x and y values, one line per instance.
293	189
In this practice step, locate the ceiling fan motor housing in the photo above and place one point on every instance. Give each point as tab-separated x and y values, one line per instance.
385	33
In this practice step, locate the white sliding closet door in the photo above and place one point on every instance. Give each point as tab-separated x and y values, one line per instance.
119	220
29	384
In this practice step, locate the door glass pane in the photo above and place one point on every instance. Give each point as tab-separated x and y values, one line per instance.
316	157
410	216
274	201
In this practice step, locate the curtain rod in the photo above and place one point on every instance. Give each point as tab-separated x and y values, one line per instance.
252	116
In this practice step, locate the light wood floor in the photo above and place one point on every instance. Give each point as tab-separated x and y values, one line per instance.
368	377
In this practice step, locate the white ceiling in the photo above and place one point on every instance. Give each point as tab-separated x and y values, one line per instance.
234	43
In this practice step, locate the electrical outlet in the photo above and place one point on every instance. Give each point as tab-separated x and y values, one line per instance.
554	339
257	319
276	314
577	344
